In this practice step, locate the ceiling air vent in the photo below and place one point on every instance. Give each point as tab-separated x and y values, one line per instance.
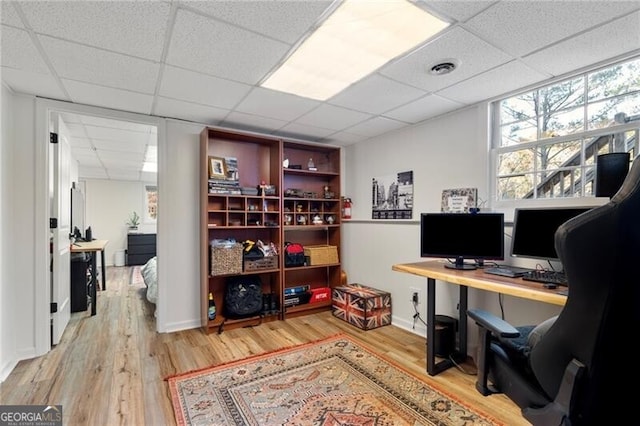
444	67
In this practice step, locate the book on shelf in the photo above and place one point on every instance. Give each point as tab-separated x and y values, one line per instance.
289	291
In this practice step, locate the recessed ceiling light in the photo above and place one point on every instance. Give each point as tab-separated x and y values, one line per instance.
444	67
358	38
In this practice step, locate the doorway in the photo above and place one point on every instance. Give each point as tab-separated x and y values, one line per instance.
113	164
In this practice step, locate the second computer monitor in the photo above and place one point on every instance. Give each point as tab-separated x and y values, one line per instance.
534	230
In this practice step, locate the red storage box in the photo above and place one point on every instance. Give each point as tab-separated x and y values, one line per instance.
322	294
365	307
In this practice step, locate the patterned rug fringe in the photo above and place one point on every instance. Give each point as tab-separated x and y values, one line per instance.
256	356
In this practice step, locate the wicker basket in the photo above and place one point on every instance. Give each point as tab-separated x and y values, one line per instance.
226	260
267	262
321	254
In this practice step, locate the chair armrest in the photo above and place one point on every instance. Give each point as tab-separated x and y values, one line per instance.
488	324
497	326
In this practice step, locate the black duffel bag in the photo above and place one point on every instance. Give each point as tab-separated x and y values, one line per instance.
243	296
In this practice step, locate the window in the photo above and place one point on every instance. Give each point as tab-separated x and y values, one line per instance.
547	140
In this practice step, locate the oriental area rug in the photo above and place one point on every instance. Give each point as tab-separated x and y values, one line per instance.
335	381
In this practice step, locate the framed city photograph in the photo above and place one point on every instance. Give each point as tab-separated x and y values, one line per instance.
217	168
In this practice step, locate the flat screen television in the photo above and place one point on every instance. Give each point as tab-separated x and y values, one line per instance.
462	236
534	230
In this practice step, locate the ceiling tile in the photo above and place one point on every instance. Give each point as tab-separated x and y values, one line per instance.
115	134
9	16
108	154
332	117
76	142
283	20
423	108
172	108
375	126
19	52
202	89
133	27
92	172
219	49
91	120
86	156
254	123
120	146
76	62
90	94
600	44
376	94
302	131
458	10
271	104
506	78
33	83
526	26
473	56
344	138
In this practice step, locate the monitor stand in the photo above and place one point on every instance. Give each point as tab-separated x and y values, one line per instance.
459	264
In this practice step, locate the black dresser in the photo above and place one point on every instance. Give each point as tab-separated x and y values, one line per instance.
140	248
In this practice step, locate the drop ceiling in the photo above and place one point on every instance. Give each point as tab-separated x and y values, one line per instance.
203	61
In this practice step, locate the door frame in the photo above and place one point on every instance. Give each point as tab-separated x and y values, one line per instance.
43	177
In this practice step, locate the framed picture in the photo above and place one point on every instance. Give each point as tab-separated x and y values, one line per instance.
217	168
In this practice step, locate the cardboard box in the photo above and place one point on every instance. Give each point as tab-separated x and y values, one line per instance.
364	307
321	254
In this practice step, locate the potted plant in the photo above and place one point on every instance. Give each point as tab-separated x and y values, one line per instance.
134	221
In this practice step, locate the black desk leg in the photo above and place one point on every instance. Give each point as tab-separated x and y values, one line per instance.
94	284
431	326
434	368
104	275
462	323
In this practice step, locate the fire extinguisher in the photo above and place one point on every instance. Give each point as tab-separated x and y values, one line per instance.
346	208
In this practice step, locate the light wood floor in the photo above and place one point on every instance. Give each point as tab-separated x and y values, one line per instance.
109	369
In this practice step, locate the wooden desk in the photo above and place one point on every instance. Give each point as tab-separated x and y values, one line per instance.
435	270
93	247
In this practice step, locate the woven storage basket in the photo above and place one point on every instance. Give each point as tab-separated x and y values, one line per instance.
321	254
226	260
267	262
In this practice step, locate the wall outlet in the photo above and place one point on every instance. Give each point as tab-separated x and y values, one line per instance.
415	293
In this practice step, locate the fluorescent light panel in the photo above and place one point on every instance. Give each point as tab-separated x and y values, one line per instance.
358	38
150	159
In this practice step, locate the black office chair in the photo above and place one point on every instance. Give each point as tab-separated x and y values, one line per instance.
570	370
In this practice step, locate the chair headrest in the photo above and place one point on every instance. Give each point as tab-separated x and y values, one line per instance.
631	183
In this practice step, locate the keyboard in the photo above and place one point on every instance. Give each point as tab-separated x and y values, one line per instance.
541	276
507	271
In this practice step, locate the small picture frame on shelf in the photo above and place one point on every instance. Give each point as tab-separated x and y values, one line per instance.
217	168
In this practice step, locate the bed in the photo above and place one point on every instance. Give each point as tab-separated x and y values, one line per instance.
150	277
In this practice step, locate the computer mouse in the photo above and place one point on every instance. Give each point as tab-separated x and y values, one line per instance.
550	286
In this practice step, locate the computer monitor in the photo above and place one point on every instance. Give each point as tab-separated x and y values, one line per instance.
461	236
534	230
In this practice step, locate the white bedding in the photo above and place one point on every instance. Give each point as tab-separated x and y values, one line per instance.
150	276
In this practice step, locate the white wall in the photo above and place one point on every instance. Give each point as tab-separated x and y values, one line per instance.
447	152
7	289
179	226
108	205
